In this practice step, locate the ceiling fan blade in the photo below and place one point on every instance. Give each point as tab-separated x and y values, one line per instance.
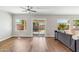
32	10
28	9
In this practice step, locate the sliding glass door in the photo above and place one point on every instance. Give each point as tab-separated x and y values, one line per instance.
39	27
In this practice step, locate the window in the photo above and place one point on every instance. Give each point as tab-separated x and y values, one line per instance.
20	24
62	24
76	22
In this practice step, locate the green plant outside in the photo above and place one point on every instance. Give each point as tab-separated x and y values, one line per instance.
63	26
76	22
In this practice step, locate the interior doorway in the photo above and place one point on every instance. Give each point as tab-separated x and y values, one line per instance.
39	28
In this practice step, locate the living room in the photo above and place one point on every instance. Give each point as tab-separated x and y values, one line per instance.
18	23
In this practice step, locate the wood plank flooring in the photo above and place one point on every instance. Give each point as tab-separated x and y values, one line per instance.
35	44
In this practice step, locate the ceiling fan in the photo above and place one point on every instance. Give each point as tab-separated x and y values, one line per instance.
28	9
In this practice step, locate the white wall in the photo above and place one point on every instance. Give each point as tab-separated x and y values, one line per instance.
5	25
6	28
28	31
52	20
51	25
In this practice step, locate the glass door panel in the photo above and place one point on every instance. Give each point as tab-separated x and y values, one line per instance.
39	27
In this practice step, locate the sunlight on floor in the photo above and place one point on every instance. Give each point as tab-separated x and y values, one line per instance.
38	44
21	45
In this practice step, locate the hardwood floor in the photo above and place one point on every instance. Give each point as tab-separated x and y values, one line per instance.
35	44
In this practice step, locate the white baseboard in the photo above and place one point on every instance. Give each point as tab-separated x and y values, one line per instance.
2	39
22	36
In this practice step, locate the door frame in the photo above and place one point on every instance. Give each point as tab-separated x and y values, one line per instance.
45	24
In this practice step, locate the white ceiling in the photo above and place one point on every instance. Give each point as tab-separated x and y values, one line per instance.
48	10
